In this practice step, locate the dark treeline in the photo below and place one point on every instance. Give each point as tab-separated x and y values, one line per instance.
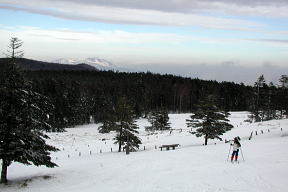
269	101
80	95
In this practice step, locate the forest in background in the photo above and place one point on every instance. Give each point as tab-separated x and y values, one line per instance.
80	97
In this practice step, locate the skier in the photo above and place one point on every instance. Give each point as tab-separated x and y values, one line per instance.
236	145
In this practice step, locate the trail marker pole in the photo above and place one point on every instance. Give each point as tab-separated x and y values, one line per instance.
242	154
229	153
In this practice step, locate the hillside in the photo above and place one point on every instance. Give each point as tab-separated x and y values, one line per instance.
192	167
98	63
33	65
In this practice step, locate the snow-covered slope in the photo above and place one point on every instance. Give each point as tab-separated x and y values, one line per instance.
192	167
92	61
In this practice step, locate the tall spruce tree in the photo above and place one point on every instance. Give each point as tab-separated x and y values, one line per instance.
283	95
126	127
109	116
259	109
23	117
159	120
209	120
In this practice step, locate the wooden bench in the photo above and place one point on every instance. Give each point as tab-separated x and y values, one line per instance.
169	146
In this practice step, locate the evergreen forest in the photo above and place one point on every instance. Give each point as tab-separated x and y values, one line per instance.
81	97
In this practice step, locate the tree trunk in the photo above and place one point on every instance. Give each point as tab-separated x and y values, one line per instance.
120	145
206	139
4	171
120	142
128	146
180	103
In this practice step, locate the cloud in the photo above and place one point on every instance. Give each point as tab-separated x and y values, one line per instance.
160	12
275	8
227	71
123	47
184	6
98	36
256	9
272	41
103	43
68	39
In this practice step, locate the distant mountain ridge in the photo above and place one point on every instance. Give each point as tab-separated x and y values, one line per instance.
92	61
34	65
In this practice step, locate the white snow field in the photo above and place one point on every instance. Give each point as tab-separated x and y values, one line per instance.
190	168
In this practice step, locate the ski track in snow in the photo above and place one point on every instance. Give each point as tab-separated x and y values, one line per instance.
191	167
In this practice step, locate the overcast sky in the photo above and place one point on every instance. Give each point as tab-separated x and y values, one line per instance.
232	40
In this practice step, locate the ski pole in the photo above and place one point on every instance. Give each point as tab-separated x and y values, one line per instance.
242	154
229	153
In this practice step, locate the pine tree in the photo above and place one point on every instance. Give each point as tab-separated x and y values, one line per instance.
163	119
23	117
270	104
159	120
109	115
283	95
126	126
152	120
260	109
57	94
209	120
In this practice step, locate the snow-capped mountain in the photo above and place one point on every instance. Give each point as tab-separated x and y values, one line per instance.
96	61
92	61
66	61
